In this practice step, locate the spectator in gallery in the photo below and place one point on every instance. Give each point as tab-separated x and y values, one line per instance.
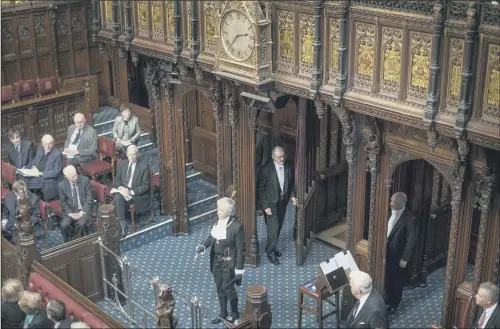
56	311
126	130
10	205
487	300
48	161
81	144
31	304
19	151
12	315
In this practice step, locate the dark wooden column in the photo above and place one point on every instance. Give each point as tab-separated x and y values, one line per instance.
116	22
372	151
301	183
122	75
53	28
216	98
129	32
232	109
178	31
317	71
341	85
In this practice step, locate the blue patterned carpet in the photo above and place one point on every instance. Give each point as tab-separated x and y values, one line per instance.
177	268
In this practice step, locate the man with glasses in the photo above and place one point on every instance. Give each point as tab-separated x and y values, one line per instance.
81	143
132	181
11	203
276	187
19	151
77	203
48	161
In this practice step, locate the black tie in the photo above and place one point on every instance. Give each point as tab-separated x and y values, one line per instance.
77	137
355	309
18	150
74	197
128	175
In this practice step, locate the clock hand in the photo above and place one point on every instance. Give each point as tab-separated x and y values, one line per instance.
236	37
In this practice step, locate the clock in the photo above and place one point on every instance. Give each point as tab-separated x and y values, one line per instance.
237	35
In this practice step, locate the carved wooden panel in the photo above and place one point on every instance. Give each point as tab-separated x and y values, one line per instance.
11	72
455	72
81	62
28	68
306	26
286	40
170	21
204	151
187	26
78	27
205	115
491	14
390	70
491	103
420	7
65	64
210	23
108	15
62	271
25	32
333	54
418	69
10	261
42	33
143	19
62	30
9	46
157	21
45	66
364	55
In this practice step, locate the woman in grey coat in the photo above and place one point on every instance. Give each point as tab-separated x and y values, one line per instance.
126	130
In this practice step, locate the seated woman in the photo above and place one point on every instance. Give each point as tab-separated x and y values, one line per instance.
12	315
126	130
31	304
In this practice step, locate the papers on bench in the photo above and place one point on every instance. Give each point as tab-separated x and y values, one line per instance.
28	172
68	155
115	190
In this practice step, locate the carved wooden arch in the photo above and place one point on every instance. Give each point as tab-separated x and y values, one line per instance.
397	157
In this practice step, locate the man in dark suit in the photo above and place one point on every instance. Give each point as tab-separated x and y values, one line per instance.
489	314
369	311
401	236
276	187
48	161
133	182
77	203
12	200
56	311
12	315
19	151
262	157
81	143
125	129
227	257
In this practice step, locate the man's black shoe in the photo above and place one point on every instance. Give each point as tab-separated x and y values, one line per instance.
273	259
231	319
277	253
215	321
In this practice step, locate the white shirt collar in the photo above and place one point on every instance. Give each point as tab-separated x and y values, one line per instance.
56	324
223	221
490	309
362	300
279	165
398	212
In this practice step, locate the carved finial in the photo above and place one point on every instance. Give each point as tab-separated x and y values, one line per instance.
472	14
320	106
432	138
135	58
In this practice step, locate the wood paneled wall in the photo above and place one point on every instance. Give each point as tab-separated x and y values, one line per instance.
40	41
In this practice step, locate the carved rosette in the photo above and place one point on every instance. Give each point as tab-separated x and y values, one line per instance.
231	103
456	183
216	98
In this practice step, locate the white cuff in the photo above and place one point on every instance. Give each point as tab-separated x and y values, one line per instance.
236	271
131	192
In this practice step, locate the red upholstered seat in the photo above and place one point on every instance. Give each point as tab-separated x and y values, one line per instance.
7	94
8	173
55	207
25	89
74	311
100	191
47	85
105	147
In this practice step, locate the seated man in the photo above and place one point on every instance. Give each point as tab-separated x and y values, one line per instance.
133	182
126	129
56	311
19	151
21	193
81	144
48	161
77	202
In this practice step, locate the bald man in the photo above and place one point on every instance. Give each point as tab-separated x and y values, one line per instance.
77	202
401	236
81	143
48	160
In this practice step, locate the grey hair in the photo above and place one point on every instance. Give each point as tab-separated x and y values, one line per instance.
362	280
80	325
401	197
228	204
47	137
278	149
68	170
491	289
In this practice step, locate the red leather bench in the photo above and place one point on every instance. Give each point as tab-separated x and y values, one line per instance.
74	311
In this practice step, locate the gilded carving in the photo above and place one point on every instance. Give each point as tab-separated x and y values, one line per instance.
286	39
170	21
492	104
419	64
109	14
392	42
188	23
365	40
157	24
143	18
306	42
334	48
210	10
455	71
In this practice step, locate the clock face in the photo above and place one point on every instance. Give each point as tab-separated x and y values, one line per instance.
237	34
